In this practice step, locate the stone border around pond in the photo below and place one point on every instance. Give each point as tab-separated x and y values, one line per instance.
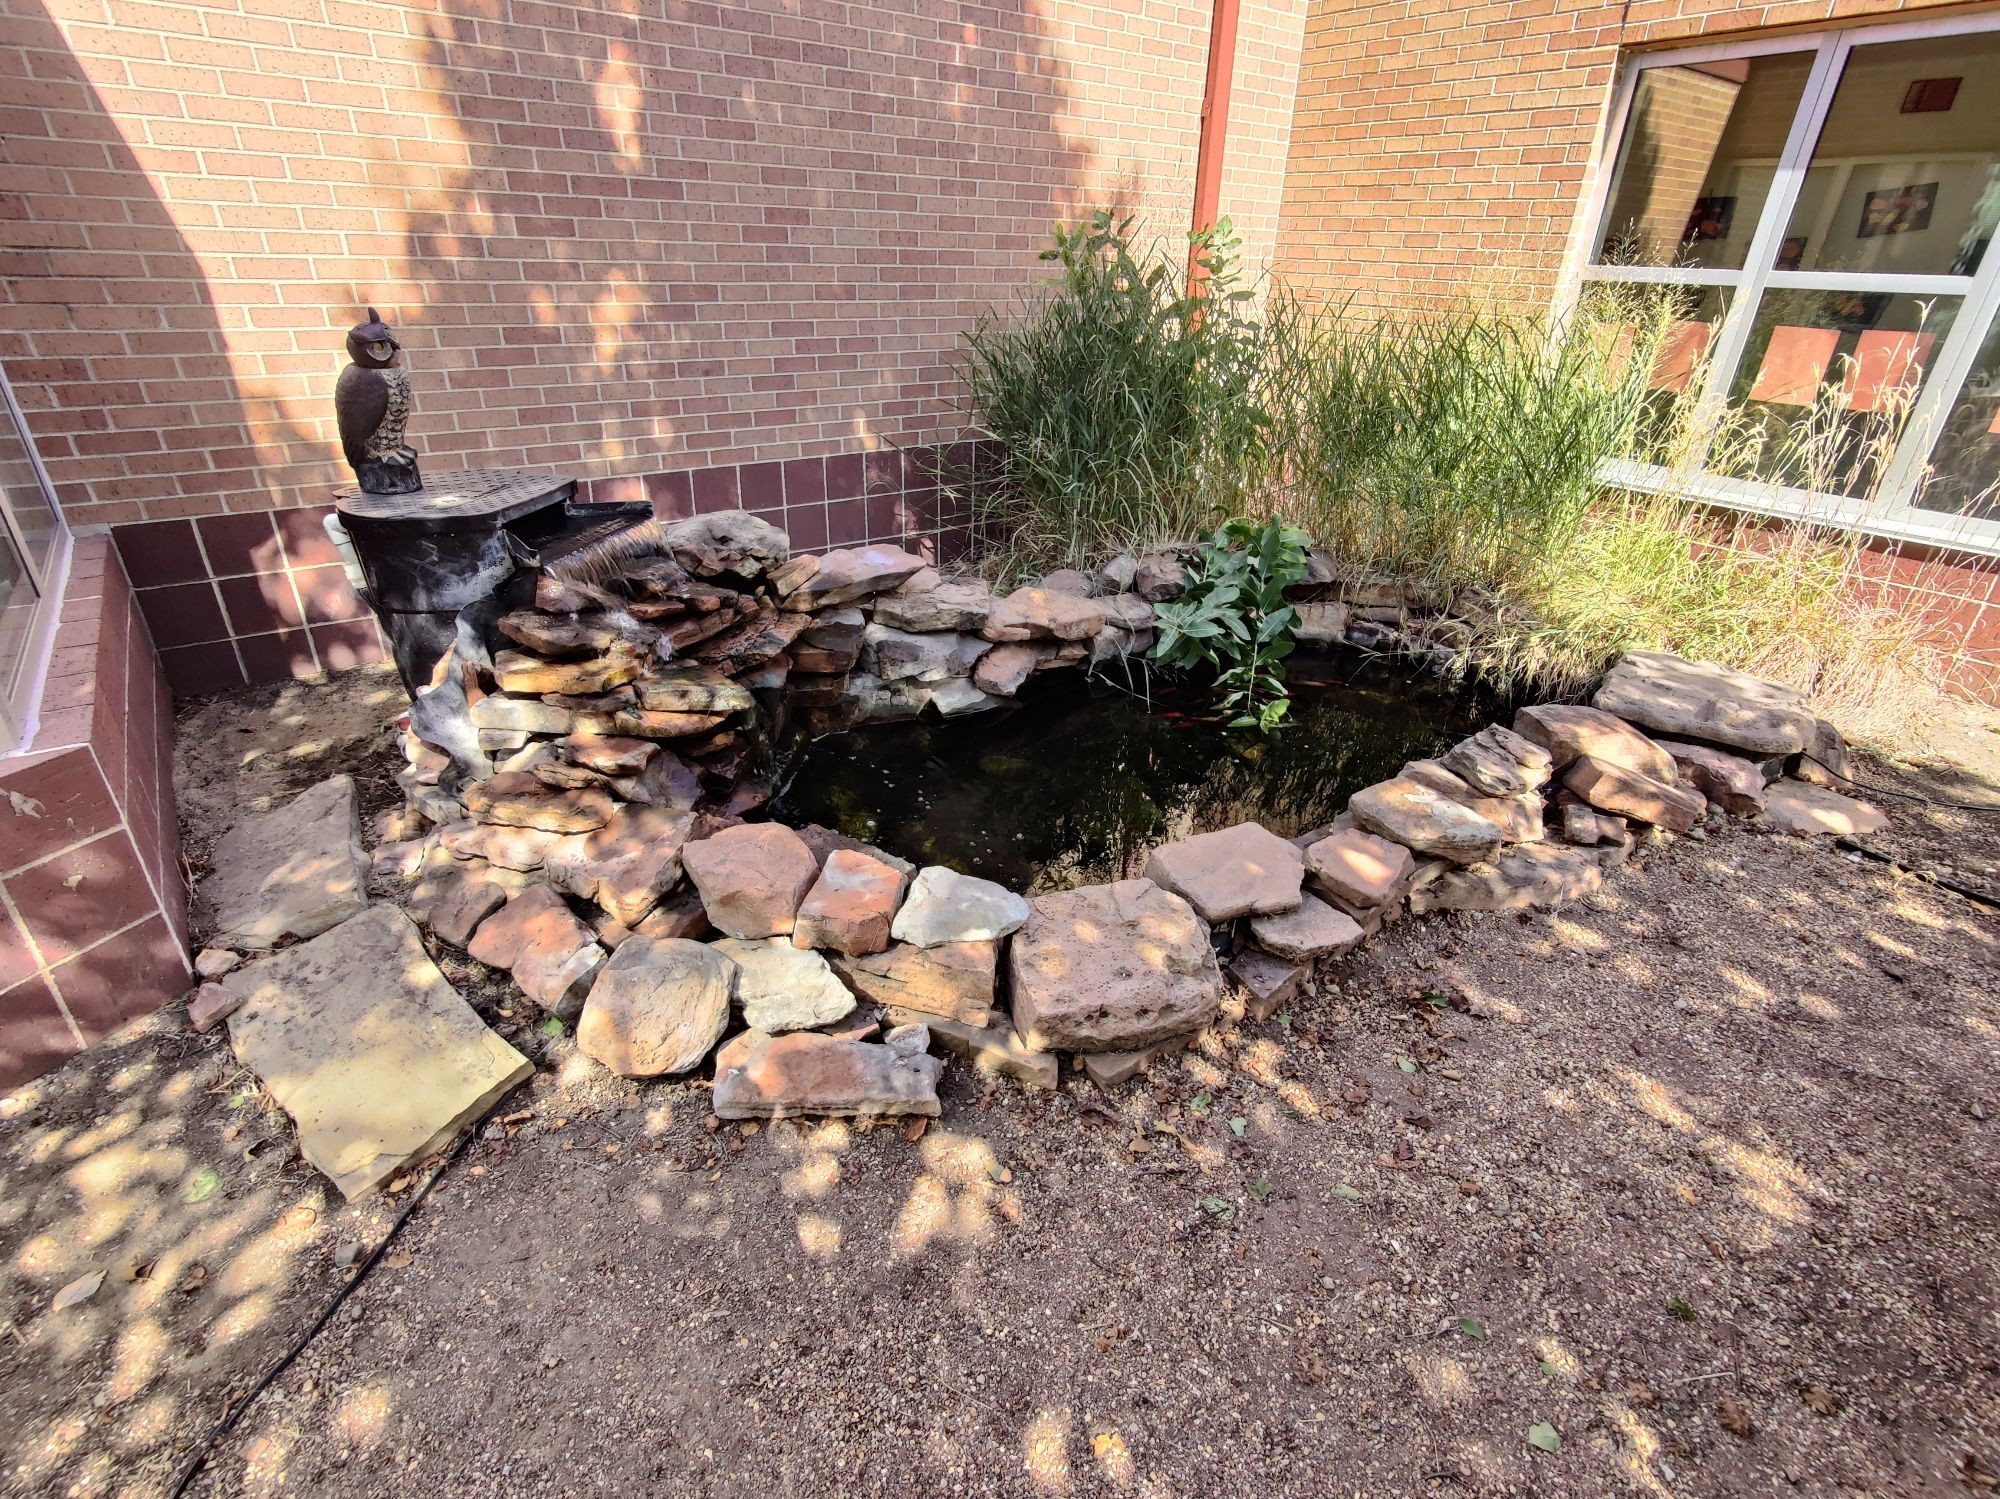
576	794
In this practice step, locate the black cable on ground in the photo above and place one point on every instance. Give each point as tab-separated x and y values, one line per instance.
198	1459
1904	796
1981	898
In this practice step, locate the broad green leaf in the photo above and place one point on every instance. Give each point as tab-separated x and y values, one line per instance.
1471	1329
1261	1188
1347	1193
1237	1125
1545	1437
203	1185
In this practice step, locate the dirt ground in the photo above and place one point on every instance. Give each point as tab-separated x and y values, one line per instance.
1701	1175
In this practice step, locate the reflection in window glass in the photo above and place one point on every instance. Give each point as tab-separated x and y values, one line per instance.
17	617
1965	464
1905	176
26	503
1826	386
1674	328
1701	147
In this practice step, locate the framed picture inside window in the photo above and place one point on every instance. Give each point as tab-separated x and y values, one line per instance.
1897	210
1710	219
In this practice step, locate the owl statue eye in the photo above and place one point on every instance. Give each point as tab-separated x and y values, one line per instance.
381	349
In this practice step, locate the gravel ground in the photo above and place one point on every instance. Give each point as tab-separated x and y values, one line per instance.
1700	1174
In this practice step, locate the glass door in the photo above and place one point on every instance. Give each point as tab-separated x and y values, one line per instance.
33	549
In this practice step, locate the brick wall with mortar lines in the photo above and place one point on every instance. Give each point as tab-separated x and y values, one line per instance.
616	245
93	904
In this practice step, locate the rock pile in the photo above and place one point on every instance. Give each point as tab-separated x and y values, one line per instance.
599	855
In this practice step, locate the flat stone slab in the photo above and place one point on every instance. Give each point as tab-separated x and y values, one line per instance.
1699	700
993	1049
957	605
1569	733
1112	1069
752	878
1246	870
854	573
761	1076
1795	807
1499	762
1612	788
851	905
1535	876
946	906
363	1042
1112	968
657	1008
1730	781
782	987
1002	670
1314	930
292	872
1359	868
626	865
1424	820
1268	983
516	799
1042	614
953	979
552	955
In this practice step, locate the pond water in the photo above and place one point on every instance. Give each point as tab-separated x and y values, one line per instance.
1077	781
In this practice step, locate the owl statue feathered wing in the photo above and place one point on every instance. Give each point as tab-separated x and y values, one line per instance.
372	406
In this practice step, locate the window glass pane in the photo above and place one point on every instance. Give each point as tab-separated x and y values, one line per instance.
1826	384
17	616
1965	464
1905	176
1701	146
1674	329
25	502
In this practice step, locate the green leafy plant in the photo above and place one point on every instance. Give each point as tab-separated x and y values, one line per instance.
1126	403
1234	618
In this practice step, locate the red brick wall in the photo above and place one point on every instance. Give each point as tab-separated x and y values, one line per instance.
1442	148
93	907
616	242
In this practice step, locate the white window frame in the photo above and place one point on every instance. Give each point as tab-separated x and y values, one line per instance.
21	689
1890	512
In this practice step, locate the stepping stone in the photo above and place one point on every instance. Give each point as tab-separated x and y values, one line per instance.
850	907
1408	812
1612	788
1699	700
1535	876
1241	871
516	799
362	1041
854	573
626	865
1268	983
1112	968
1042	614
1113	1069
752	878
1314	930
1499	762
958	605
1795	807
946	906
658	1007
1569	733
1730	781
953	979
1360	869
782	987
991	1049
761	1076
293	872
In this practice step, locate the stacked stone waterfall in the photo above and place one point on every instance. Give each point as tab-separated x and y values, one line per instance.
592	842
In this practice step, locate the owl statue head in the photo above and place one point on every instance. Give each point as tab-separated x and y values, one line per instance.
371	344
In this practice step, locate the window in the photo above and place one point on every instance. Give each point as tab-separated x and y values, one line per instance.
1819	212
33	544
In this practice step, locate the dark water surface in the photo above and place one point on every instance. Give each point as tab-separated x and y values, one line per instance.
1077	781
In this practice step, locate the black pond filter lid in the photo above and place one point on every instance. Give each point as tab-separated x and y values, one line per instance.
459	499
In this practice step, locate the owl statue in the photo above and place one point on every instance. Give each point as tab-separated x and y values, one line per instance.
372	403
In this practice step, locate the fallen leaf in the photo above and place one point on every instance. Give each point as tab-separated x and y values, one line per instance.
1237	1125
1549	1369
195	1277
399	1259
1218	1207
1347	1193
914	1130
1639	1395
203	1185
1734	1419
1261	1188
1820	1400
1680	1309
1471	1329
301	1217
1201	1103
77	1291
1544	1437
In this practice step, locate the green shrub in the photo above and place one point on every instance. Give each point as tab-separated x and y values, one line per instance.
1233	616
1126	408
